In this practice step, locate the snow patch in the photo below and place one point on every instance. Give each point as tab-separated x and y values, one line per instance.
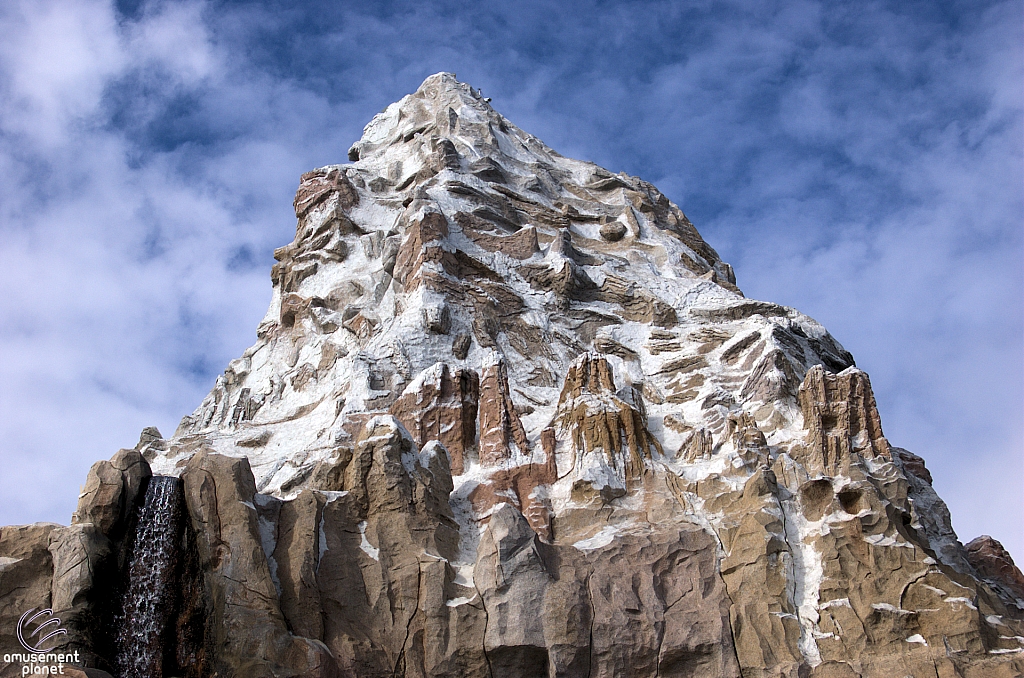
364	543
600	540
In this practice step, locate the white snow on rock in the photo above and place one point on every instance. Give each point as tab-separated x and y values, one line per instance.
694	359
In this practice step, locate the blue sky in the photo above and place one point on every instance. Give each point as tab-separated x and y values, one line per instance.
861	161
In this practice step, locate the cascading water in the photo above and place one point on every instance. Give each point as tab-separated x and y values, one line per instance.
149	599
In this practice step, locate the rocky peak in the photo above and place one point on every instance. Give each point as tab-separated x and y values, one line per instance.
579	354
993	563
509	415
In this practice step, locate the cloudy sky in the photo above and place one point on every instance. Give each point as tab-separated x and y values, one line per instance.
861	161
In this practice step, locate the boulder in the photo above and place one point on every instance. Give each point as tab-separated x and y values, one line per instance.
112	491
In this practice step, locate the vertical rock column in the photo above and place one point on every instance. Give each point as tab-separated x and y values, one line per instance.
249	635
443	408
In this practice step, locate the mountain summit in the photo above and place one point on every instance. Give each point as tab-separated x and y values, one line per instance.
509	415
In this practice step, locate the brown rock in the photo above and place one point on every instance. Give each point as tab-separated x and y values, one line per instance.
102	501
112	490
841	419
501	431
316	186
772	379
520	245
516	486
593	417
432	227
756	569
513	578
249	632
437	319
913	464
443	408
295	555
650	604
293	309
461	345
359	321
135	473
613	231
329	474
660	608
77	552
747	438
383	576
635	304
26	573
993	562
446	156
698	445
84	576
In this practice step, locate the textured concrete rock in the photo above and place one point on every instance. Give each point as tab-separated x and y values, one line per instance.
513	578
414	251
511	416
442	406
77	551
501	431
520	245
613	231
112	490
318	185
597	421
992	562
644	604
102	503
295	556
660	607
26	573
250	635
84	577
841	418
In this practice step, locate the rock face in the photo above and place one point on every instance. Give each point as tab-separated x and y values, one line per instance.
26	573
995	565
508	415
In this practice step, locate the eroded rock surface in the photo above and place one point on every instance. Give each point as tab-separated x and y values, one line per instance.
992	562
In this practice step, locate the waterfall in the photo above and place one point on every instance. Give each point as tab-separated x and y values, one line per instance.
149	602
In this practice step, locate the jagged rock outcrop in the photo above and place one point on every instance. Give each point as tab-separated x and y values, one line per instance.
509	415
991	561
841	420
606	433
442	406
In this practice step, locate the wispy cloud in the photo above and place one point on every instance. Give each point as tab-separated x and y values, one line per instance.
860	161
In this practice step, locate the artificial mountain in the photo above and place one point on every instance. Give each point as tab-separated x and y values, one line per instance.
508	415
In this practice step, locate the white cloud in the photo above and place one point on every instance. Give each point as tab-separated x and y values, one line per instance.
56	57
